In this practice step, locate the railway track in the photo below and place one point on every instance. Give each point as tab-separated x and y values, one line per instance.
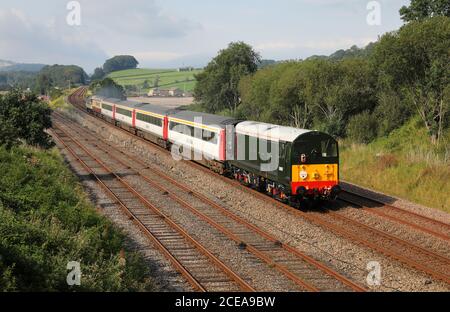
429	262
414	220
426	261
301	269
203	270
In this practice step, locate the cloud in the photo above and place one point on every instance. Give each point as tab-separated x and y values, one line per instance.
112	25
24	40
139	18
156	56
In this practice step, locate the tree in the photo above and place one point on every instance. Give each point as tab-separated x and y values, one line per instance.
217	86
24	117
421	9
98	74
414	63
43	83
156	82
108	88
60	76
362	128
120	62
145	85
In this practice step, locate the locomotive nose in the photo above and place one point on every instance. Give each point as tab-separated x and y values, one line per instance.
335	190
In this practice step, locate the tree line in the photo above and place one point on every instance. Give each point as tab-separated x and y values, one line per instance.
356	93
116	63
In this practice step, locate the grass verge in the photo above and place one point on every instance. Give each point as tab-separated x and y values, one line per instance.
404	164
46	221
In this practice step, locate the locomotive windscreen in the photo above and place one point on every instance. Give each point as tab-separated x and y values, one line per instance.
315	148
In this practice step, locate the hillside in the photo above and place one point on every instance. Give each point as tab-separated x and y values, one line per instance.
9	66
404	164
168	78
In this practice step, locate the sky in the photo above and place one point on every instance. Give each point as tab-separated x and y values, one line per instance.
174	33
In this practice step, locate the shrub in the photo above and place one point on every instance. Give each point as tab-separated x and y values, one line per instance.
362	128
46	222
391	112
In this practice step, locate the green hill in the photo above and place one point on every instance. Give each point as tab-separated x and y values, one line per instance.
168	78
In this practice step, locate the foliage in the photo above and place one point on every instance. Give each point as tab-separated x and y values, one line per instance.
98	74
405	73
404	163
60	76
217	86
24	117
46	222
120	62
22	80
362	128
316	93
107	88
341	54
414	62
421	9
265	63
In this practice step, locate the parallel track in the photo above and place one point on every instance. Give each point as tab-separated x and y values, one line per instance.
433	264
399	215
203	270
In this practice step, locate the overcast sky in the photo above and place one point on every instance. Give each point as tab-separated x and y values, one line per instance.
173	33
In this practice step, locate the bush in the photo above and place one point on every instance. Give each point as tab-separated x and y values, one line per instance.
391	112
46	222
362	128
23	117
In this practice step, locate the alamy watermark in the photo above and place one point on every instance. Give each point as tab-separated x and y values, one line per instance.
73	18
199	142
374	276
374	16
74	276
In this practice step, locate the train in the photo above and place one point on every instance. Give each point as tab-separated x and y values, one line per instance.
290	164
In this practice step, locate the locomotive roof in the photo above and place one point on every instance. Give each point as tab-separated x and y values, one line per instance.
206	119
269	131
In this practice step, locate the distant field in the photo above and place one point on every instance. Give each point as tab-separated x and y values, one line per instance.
168	78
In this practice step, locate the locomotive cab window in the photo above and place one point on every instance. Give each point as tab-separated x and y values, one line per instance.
315	148
329	148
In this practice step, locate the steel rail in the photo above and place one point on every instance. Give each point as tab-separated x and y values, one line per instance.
243	284
378	212
227	213
313	219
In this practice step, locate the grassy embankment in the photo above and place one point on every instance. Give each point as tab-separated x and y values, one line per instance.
47	221
405	164
168	78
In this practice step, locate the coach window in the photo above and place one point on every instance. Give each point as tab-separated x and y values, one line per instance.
181	128
209	136
107	107
125	112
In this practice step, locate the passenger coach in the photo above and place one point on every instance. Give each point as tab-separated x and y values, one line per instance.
288	163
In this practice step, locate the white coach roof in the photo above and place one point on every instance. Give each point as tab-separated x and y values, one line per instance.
269	131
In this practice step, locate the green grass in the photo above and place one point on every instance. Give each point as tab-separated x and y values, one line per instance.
405	165
168	78
47	221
